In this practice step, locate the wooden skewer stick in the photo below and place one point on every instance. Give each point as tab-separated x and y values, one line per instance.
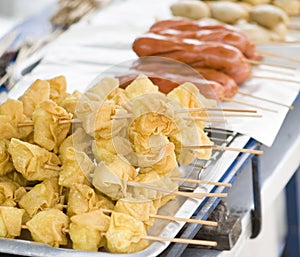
177	193
265	99
277	79
30	123
181	240
224	148
284	72
171	218
233	115
270	64
215	109
268	54
204	119
64	230
247	104
202	182
52	167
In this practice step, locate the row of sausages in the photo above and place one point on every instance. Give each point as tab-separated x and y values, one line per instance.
218	53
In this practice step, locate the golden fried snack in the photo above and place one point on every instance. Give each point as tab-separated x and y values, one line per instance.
39	91
83	198
160	202
48	132
101	124
106	149
105	126
10	221
147	125
80	140
76	168
90	102
42	196
58	89
125	233
110	178
31	160
188	96
11	114
139	209
85	230
118	96
69	103
48	227
165	165
140	86
190	134
7	193
154	179
6	164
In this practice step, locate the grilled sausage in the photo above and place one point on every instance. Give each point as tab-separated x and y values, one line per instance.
196	53
227	82
220	33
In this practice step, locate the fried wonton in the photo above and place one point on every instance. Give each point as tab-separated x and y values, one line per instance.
10	221
85	230
76	168
39	91
49	132
125	233
32	161
40	197
11	116
48	227
83	198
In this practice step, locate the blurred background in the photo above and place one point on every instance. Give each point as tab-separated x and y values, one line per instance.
14	11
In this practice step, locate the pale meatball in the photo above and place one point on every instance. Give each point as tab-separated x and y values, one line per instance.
257	33
190	9
228	12
291	7
280	32
268	16
257	2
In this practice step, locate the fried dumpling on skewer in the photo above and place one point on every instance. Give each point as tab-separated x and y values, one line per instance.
80	140
10	221
90	103
119	97
140	86
75	169
83	198
110	178
31	160
11	114
190	134
165	165
58	89
85	230
138	208
48	227
6	164
69	103
7	193
188	96
39	91
124	234
48	132
42	196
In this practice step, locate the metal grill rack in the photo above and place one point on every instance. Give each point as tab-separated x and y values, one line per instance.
195	170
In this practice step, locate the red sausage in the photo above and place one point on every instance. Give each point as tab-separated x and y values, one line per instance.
227	82
167	82
195	53
219	33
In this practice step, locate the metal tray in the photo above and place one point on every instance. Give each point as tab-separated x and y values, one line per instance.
213	170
